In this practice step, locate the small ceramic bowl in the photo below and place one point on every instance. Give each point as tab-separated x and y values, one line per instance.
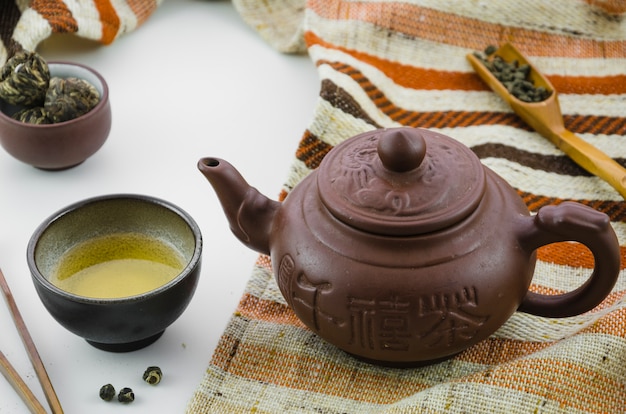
65	144
130	321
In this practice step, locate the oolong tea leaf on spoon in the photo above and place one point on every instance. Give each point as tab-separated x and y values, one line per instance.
543	112
514	76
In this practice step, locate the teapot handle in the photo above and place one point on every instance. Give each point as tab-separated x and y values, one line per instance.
571	221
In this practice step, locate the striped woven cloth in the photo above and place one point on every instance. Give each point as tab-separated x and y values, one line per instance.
392	63
24	24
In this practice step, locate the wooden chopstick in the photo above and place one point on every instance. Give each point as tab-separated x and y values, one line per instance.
35	359
20	386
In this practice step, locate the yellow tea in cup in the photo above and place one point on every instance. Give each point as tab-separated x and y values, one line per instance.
117	265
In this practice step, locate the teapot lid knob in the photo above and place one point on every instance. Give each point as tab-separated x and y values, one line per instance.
401	150
401	181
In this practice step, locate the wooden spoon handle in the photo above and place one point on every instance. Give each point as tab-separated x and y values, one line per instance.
545	118
592	159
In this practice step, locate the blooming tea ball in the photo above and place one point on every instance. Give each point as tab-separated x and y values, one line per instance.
24	79
37	116
69	98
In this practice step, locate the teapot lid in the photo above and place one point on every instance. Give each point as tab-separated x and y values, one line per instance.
401	181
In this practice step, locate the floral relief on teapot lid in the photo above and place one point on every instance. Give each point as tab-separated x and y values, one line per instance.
401	181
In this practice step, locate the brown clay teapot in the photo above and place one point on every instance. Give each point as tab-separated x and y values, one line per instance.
403	249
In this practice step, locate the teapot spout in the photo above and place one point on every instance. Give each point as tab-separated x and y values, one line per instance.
249	213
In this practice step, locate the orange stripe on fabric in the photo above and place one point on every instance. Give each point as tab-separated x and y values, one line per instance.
568	383
610	6
605	85
110	21
142	9
494	351
303	369
437	26
311	150
225	351
266	310
431	79
282	195
616	210
409	76
57	14
264	261
611	324
610	301
571	254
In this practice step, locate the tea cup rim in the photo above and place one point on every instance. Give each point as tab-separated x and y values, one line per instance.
41	228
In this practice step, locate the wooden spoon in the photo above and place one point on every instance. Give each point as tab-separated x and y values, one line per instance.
546	118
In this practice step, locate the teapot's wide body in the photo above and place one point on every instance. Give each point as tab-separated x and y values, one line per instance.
403	249
402	300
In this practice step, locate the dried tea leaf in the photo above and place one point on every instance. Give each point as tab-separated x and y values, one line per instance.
126	395
152	375
107	392
515	77
24	79
69	98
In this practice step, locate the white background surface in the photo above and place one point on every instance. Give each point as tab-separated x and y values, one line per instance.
193	81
